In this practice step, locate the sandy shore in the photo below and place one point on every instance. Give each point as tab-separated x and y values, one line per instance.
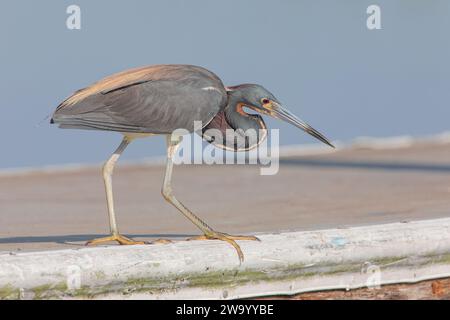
356	186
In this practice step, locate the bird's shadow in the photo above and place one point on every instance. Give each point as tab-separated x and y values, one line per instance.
73	238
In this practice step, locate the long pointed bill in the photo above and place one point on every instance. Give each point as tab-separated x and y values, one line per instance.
279	112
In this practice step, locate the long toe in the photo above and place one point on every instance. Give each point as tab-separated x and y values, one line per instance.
161	241
228	238
233	237
114	238
251	238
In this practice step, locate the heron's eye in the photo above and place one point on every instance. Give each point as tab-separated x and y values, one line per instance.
265	101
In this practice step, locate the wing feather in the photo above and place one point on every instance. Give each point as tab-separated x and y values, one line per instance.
156	99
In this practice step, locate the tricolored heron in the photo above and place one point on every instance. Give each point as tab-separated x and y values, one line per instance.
156	100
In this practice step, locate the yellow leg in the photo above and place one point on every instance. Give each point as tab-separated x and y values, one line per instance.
108	169
167	192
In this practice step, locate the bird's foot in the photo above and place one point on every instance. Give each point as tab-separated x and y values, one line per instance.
115	237
161	241
227	238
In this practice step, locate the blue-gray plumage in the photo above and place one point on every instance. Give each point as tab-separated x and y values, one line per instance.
162	98
155	99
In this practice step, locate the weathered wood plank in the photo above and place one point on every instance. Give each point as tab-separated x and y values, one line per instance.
426	290
283	263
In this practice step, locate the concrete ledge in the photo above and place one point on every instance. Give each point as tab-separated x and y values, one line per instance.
282	264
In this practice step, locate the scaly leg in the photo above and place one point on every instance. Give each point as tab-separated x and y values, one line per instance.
108	169
209	233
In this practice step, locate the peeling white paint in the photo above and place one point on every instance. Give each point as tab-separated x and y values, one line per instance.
284	263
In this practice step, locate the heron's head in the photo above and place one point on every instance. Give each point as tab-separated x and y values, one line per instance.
261	100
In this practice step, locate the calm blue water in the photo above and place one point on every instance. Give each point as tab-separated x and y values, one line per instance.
318	57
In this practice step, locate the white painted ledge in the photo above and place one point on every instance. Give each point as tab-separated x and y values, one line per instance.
285	263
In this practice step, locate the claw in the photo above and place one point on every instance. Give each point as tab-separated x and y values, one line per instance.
228	238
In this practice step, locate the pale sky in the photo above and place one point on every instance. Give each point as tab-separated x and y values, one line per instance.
317	57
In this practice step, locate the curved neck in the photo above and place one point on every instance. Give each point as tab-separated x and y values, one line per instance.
237	117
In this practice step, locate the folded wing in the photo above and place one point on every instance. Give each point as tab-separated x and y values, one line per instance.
155	99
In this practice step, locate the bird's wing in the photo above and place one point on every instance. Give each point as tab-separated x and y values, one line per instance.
156	99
